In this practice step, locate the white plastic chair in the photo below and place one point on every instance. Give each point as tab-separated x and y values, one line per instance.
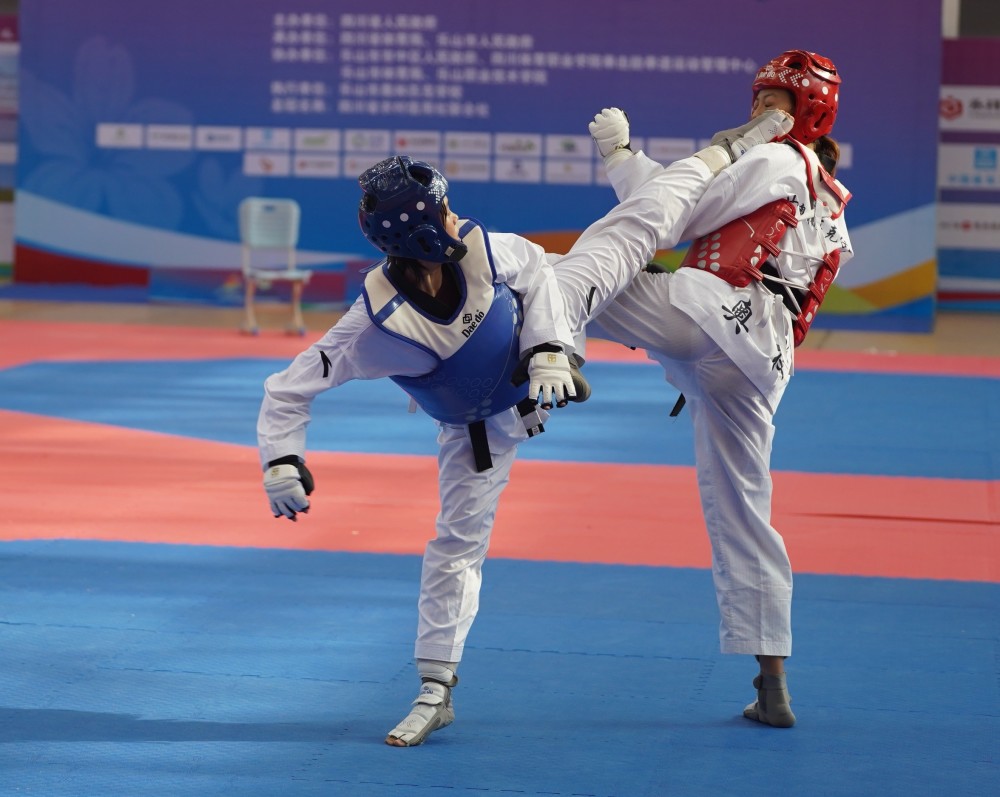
271	224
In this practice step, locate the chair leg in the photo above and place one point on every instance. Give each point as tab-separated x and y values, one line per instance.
298	325
249	326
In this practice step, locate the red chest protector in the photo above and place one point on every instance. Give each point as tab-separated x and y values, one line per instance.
737	251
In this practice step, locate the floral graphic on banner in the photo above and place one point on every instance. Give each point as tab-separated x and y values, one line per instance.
123	182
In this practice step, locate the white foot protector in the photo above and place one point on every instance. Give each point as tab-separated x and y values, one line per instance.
767	127
729	145
431	711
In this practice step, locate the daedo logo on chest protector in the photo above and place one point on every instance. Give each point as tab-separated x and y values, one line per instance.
472	322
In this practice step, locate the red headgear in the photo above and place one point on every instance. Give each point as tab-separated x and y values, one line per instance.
815	85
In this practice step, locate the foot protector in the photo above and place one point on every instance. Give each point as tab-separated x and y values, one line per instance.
431	711
580	383
769	126
772	704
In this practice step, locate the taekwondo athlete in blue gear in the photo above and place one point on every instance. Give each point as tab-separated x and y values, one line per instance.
451	315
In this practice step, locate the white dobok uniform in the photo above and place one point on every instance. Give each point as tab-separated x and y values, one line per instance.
729	350
602	262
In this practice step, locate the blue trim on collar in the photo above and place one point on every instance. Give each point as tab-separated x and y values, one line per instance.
389	308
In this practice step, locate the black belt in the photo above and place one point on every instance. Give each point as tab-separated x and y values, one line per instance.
528	410
480	446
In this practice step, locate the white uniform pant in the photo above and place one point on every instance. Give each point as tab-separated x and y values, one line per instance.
733	432
614	249
453	561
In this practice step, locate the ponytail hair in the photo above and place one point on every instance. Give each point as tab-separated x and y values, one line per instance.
828	152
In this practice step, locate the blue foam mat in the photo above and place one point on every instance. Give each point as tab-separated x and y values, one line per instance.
864	423
153	669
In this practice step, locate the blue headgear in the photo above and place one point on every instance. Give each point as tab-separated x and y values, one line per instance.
400	210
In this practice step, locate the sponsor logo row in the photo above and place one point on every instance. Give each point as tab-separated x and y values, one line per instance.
458	169
331	152
330	140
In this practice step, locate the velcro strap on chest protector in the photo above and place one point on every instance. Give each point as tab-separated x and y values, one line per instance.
736	251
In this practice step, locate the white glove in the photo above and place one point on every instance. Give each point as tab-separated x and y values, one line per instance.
610	131
549	373
285	490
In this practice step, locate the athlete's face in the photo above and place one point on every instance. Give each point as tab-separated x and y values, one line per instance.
449	219
769	99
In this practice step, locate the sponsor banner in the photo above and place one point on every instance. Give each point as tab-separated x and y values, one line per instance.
316	165
970	108
378	141
114	136
569	172
518	145
517	170
969	167
270	138
218	139
472	144
170	137
317	140
968	226
579	147
267	164
467	169
417	143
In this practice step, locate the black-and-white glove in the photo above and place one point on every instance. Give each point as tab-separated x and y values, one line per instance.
580	390
549	374
287	482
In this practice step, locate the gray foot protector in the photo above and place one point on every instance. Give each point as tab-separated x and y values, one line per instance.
432	710
772	704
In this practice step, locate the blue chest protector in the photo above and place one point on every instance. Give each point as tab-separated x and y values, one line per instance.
476	348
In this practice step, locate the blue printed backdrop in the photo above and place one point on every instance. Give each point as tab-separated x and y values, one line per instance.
374	76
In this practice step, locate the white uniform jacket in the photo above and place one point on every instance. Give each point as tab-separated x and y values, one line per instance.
751	325
355	348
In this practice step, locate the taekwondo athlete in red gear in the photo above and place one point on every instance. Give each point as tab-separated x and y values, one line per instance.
769	236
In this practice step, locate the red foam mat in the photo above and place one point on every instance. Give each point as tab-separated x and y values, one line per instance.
65	479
